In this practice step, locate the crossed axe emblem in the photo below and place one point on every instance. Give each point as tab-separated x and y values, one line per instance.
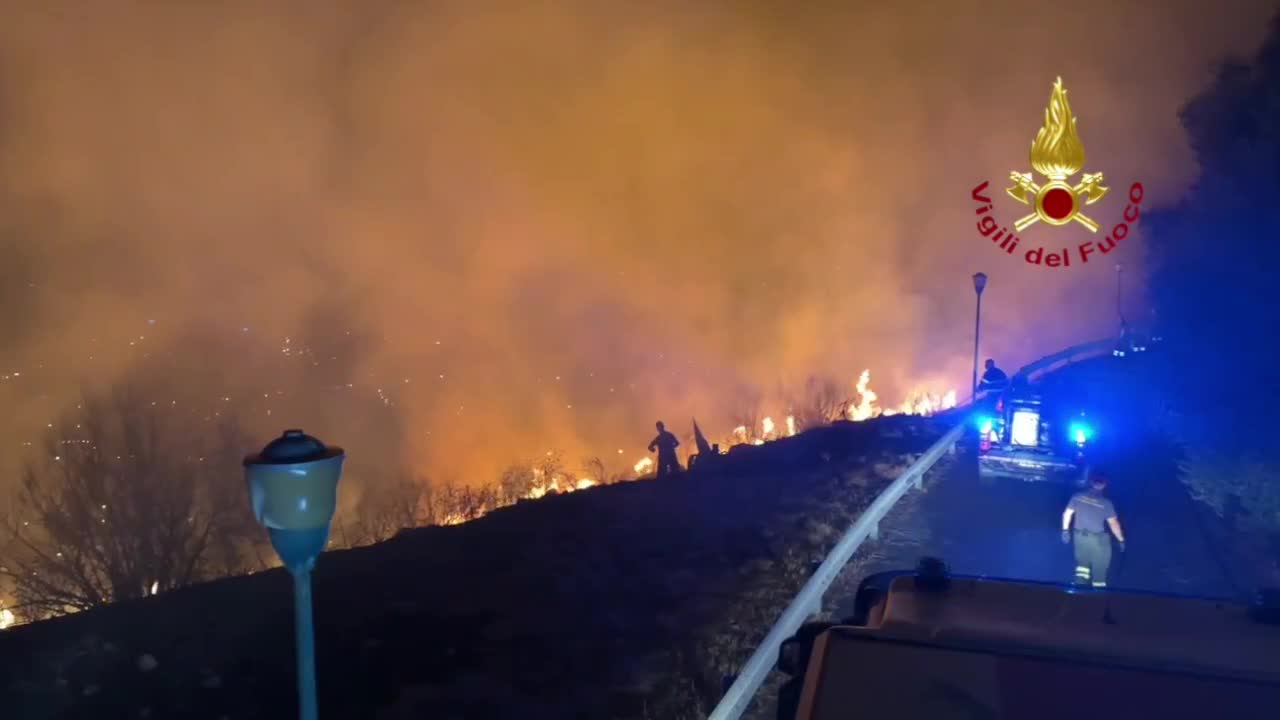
1090	187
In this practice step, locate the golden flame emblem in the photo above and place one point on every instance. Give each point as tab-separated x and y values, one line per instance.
1057	153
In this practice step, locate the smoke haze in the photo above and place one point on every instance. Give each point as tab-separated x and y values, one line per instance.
546	225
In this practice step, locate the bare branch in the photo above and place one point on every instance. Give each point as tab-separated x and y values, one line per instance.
125	496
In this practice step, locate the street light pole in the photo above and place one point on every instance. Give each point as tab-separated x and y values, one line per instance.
293	487
979	284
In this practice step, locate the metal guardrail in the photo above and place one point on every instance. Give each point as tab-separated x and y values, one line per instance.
1085	351
809	600
1035	370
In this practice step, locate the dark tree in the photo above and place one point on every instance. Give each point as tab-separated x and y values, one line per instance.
1214	255
516	482
131	496
1213	286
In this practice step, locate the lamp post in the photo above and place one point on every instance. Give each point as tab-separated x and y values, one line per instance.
979	284
293	487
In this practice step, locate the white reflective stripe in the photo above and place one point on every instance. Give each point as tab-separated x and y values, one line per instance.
1099	583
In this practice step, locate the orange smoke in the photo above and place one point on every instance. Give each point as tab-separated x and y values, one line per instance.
551	224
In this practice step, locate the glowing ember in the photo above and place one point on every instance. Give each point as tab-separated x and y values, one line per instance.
643	466
7	618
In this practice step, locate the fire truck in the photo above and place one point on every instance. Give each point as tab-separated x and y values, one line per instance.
1033	432
926	644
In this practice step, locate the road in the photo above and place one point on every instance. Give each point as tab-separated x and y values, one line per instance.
1011	528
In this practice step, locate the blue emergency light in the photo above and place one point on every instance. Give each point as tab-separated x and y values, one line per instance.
984	424
1081	432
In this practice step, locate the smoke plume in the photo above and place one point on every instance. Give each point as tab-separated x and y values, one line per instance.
549	224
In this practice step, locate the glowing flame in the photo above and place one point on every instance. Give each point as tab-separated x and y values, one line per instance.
7	618
918	402
922	402
865	406
1057	152
560	484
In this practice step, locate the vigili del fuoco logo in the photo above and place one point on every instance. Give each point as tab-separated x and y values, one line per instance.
1057	154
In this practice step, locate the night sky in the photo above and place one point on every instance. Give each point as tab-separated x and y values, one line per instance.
510	227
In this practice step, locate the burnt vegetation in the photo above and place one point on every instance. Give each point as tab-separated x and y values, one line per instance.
631	600
127	499
821	401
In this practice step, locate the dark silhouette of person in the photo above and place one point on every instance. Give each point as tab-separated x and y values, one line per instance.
665	444
994	378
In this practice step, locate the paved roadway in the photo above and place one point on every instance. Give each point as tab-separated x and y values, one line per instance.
1012	528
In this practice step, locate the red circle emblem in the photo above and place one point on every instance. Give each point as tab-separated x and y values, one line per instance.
1058	204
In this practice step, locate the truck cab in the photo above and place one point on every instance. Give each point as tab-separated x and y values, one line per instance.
928	645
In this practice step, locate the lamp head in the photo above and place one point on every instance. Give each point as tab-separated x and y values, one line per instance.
979	282
293	482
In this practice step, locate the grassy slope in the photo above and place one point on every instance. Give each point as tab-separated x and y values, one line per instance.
626	601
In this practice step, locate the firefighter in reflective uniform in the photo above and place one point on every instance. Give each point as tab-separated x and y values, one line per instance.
1093	514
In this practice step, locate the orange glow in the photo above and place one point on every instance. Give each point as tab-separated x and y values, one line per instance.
450	236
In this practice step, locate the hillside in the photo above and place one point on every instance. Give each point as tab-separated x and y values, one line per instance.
626	601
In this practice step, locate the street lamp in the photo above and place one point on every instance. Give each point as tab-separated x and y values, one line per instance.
979	284
293	487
